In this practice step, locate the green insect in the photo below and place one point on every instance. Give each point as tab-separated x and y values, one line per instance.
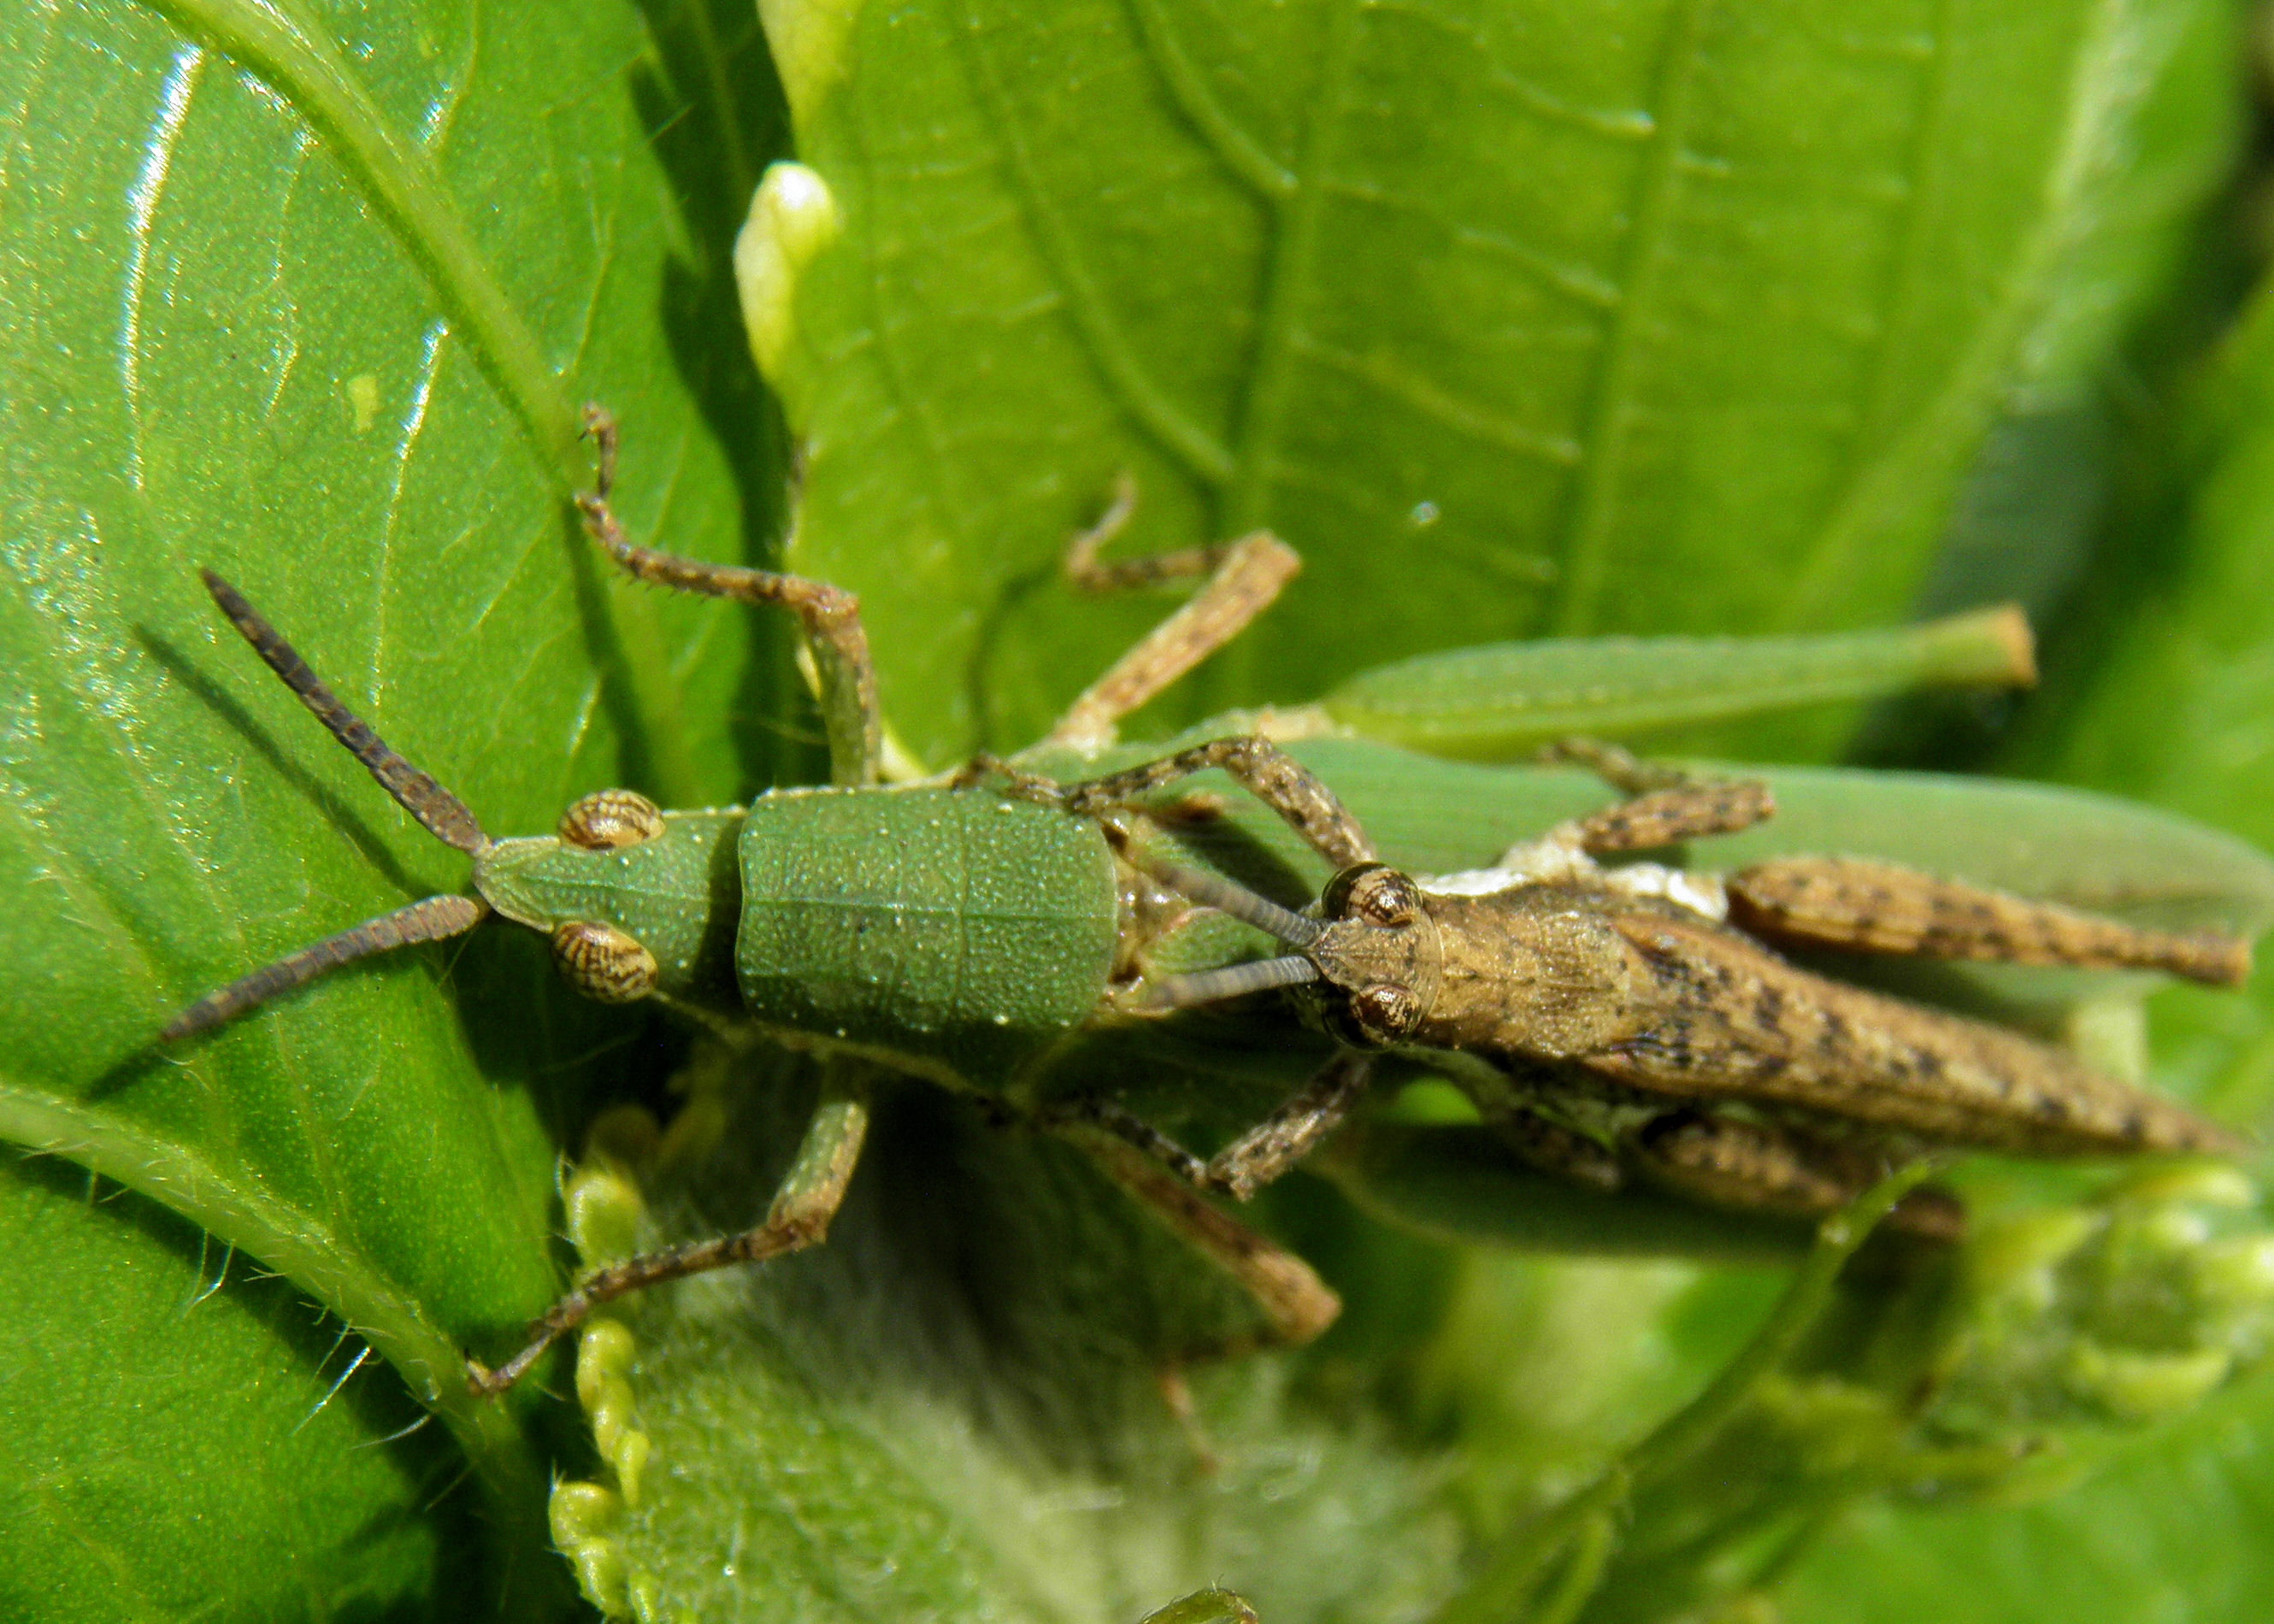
944	929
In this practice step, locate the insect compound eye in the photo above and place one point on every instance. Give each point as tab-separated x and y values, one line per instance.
1386	1010
1373	892
602	962
609	818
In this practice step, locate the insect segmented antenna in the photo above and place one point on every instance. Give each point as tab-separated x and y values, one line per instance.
1181	992
1212	891
432	920
444	815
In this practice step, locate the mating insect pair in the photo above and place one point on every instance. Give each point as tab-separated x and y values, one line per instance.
1615	1023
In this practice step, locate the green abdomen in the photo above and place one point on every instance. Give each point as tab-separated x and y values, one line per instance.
947	925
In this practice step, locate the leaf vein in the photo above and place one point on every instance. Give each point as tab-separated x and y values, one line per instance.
1238	151
1295	226
1587	529
1140	397
1443	406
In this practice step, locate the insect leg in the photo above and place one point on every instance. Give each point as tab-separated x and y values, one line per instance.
1552	1148
1265	771
1664	805
1243	577
798	1218
1264	1152
1748	1164
1296	1303
1617	766
1290	1132
1885	908
829	616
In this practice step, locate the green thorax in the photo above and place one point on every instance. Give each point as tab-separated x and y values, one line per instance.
677	894
952	927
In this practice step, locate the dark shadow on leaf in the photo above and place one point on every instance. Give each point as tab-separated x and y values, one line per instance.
713	112
151	1060
526	1028
635	762
993	627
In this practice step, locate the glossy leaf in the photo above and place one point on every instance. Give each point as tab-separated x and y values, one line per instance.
310	296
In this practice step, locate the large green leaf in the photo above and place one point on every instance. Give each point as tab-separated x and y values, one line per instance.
1653	316
310	296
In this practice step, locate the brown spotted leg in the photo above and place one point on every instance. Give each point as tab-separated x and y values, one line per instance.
798	1218
1880	907
1243	577
1262	1153
1296	1303
1754	1166
1664	806
1552	1148
1266	772
829	616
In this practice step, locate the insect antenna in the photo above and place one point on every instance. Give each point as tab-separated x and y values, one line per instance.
444	815
1212	891
1179	992
432	920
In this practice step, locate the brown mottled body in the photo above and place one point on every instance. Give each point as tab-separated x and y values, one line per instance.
1627	1028
1648	993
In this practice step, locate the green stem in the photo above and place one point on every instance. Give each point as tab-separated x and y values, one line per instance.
1500	1591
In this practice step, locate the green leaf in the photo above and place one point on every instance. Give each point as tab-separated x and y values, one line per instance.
107	1509
1673	319
310	296
2174	1526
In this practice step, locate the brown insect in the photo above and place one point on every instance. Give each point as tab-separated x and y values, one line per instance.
1636	1022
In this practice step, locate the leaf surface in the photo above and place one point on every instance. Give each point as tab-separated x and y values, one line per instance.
309	295
1655	316
1659	319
